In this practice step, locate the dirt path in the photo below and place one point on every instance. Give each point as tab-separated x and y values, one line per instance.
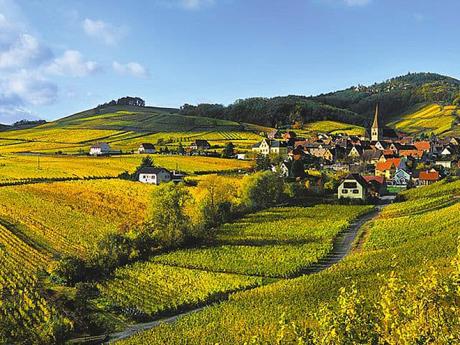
342	245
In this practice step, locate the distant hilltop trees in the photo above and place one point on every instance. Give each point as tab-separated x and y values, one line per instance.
134	101
28	123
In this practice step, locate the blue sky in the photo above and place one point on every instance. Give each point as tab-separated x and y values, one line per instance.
59	57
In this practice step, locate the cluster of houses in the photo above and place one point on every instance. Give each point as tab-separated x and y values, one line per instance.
380	162
195	148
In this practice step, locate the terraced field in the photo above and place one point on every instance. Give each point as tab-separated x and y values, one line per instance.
124	128
432	118
428	239
277	245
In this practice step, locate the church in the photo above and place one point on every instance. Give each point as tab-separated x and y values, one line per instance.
379	132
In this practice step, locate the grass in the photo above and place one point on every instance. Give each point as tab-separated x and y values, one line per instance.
150	288
332	127
125	128
256	313
18	167
279	242
432	118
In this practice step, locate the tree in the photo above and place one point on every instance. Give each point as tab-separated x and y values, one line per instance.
262	162
146	162
217	196
229	150
169	223
297	169
180	149
261	190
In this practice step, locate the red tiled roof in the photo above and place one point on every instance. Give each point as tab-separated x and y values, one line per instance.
379	179
422	145
429	175
382	166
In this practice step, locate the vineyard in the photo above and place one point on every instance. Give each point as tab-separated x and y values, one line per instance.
185	279
149	288
20	167
24	311
430	239
433	118
253	244
69	217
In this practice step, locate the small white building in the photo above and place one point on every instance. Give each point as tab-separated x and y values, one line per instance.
146	148
267	147
354	186
154	175
99	149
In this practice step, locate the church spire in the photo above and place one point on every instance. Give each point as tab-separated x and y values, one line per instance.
376	117
376	130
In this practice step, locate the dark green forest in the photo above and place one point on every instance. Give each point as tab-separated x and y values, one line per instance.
354	105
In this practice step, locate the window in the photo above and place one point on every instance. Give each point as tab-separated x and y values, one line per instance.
344	191
355	191
349	185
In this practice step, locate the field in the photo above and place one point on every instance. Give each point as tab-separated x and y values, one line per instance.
22	301
20	167
332	127
149	288
432	118
125	128
184	279
69	217
279	242
256	314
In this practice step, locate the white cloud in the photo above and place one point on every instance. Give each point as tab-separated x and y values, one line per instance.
133	69
73	64
24	51
27	88
357	2
103	31
195	4
11	114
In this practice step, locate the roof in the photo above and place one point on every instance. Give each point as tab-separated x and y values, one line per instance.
429	175
148	146
375	124
151	170
201	142
422	145
358	178
378	179
276	143
382	166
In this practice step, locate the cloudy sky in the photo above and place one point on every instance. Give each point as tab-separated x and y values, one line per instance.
59	57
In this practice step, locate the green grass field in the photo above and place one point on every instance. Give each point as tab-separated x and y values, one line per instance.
331	127
429	239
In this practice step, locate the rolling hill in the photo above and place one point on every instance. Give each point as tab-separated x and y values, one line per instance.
354	105
124	128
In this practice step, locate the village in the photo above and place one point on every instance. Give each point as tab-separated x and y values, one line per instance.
379	163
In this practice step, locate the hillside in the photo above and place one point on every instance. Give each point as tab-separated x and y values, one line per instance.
355	105
124	128
433	118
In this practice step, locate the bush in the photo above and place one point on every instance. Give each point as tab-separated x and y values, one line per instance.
261	190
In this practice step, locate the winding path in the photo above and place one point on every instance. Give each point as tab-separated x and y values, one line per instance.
341	247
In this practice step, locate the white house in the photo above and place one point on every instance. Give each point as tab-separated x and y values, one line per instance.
146	148
154	175
354	186
99	149
266	147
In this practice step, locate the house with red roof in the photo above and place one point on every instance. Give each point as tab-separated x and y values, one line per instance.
388	168
428	177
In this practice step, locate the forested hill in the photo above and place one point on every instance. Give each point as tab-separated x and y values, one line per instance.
354	105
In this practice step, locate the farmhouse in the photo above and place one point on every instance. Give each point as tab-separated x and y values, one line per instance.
426	178
99	149
200	144
267	147
354	186
154	175
146	148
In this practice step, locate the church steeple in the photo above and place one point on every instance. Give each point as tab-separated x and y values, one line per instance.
376	130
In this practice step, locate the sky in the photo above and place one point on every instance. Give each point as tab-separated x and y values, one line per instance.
60	57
